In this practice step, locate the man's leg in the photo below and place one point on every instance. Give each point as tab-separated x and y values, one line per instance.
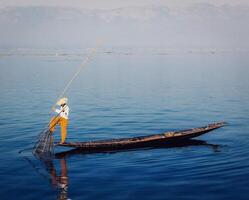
53	122
63	124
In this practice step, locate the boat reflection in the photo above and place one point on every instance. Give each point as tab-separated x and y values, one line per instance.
59	177
183	143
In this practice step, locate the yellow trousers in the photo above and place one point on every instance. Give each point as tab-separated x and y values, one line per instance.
63	124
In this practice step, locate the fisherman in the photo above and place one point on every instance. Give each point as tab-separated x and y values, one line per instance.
61	119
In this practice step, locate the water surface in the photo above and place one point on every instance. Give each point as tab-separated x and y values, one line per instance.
121	96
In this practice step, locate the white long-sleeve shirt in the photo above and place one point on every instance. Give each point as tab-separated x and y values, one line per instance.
64	111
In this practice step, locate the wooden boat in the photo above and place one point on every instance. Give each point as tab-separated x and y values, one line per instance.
136	142
165	145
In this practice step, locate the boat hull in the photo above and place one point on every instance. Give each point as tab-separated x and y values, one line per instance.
142	141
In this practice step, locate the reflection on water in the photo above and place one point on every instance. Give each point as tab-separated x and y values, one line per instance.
59	176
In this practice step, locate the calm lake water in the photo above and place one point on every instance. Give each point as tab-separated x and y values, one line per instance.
121	96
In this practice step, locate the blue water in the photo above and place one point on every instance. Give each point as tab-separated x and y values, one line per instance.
121	96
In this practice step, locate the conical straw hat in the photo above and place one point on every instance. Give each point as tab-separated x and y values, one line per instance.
61	101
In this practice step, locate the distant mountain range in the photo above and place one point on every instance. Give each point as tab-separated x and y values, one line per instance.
200	25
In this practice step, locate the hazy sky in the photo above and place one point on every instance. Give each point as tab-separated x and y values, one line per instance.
175	23
107	4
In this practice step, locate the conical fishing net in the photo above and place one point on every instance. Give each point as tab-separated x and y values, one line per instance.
44	146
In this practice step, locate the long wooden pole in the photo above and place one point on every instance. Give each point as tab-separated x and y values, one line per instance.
81	67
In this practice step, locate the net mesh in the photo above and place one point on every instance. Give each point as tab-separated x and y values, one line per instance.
44	146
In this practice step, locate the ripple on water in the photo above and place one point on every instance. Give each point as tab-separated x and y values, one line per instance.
132	98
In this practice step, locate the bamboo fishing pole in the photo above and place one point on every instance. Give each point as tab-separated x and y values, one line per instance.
81	67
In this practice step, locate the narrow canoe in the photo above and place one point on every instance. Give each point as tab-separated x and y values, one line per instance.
135	142
165	145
